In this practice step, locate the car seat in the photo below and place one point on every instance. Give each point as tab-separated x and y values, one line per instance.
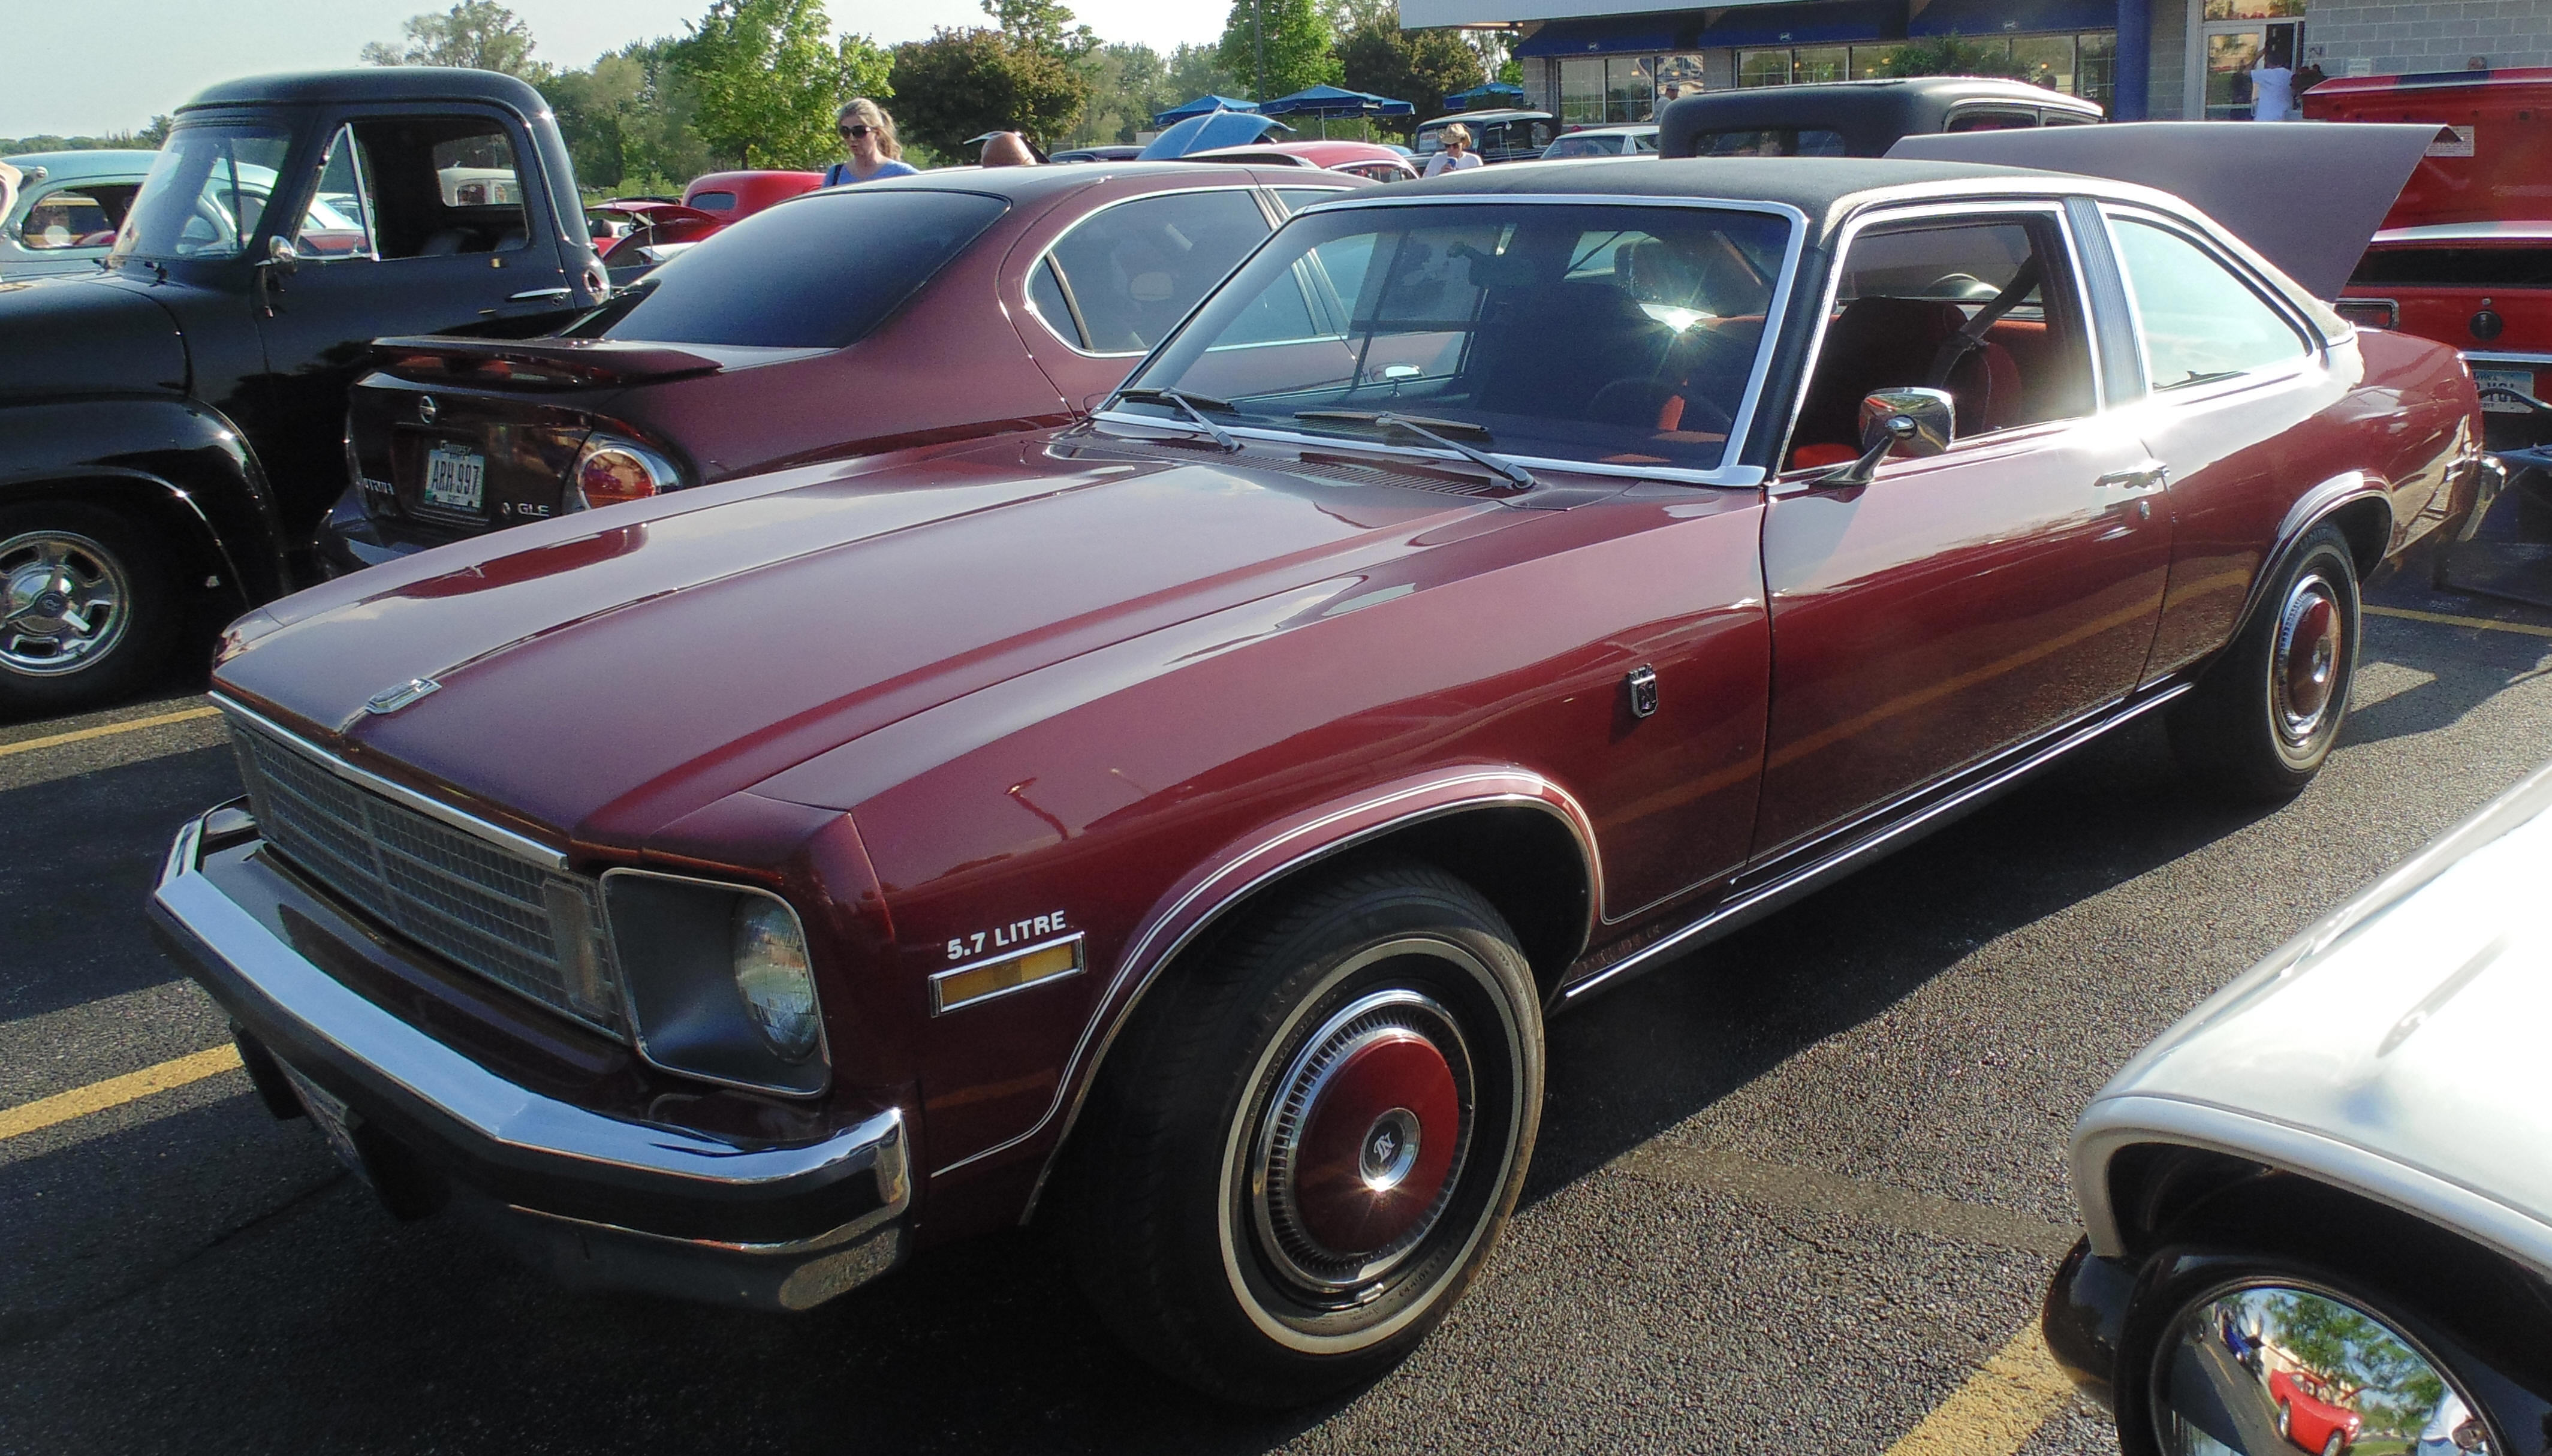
1892	344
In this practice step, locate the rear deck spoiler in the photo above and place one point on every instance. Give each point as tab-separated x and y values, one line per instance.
2308	195
561	363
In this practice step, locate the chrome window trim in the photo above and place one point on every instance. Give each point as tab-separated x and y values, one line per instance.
363	199
1045	255
824	1052
521	846
1982	208
1726	473
2315	350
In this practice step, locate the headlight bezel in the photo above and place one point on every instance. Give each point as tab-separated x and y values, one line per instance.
673	938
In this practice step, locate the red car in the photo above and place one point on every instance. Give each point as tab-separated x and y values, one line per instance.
2310	1413
658	230
1368	160
1176	826
839	323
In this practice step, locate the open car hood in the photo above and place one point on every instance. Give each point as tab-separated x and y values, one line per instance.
2240	175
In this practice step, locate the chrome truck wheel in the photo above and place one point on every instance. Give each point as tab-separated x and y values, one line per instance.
84	606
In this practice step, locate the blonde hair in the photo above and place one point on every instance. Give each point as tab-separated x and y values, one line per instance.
1457	133
877	121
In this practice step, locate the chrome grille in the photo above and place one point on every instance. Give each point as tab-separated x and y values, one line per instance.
523	925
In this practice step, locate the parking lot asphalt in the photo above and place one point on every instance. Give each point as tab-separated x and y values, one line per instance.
1798	1192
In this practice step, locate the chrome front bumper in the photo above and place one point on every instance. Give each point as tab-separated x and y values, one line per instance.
596	1199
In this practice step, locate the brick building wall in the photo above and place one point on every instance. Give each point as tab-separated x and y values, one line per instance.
2392	36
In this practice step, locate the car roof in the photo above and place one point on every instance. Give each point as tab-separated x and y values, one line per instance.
1511	114
1815	185
1867	113
1624	129
372	83
104	161
1026	184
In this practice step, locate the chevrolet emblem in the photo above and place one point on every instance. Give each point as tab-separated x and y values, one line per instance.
400	696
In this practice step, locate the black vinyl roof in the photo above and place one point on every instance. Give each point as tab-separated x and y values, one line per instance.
373	83
1870	115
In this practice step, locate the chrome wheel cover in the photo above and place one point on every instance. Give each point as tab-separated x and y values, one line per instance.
2307	661
66	601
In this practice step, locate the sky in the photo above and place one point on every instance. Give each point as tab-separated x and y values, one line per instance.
87	69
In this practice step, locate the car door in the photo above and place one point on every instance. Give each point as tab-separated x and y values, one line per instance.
1114	282
1958	606
2230	377
416	222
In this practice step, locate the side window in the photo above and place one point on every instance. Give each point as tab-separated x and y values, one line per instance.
1991	119
1137	268
438	185
338	221
1045	294
74	217
2199	321
2052	117
1983	309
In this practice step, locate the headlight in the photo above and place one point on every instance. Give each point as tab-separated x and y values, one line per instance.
770	973
611	469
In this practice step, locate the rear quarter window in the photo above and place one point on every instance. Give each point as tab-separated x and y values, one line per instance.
815	272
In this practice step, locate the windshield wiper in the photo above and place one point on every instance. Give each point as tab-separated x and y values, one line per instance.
1425	428
1188	403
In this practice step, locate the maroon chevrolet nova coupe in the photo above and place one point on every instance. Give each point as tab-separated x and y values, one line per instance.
889	314
1177	825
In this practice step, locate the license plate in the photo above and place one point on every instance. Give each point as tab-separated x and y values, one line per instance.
455	478
2520	380
334	1119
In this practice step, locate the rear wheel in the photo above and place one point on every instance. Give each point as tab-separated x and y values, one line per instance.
2263	717
86	607
1310	1139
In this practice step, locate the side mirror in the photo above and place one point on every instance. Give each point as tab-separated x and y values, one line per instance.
279	252
1912	422
2269	1368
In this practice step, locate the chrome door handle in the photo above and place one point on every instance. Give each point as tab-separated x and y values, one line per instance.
529	295
2152	476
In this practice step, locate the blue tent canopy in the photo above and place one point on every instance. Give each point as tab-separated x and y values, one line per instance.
1328	101
1211	130
1201	106
1504	93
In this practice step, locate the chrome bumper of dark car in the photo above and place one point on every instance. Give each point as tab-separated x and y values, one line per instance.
597	1200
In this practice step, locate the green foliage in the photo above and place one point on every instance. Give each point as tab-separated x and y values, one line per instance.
1951	56
628	122
768	79
1297	39
1042	24
1421	68
1198	71
2399	1389
1127	82
145	139
481	35
963	84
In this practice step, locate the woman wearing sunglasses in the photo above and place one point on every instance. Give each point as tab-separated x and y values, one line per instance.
867	135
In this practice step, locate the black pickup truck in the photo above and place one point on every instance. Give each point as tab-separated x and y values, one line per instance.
172	425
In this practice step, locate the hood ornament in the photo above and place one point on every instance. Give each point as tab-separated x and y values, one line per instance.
395	699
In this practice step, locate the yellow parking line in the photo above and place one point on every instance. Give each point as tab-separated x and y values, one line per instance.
2000	1408
30	745
115	1091
2484	623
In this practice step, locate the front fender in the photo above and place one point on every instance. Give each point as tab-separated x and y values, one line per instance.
178	460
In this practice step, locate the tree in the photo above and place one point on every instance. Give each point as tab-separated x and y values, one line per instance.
1421	68
628	121
1128	82
1198	71
768	80
1297	41
481	35
1949	56
1042	24
959	84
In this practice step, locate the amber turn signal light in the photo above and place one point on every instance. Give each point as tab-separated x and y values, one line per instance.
986	979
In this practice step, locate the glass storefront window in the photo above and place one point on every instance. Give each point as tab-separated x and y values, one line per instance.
1870	62
1762	67
1581	90
1678	76
1629	89
2096	67
2253	9
2046	60
2228	76
1820	64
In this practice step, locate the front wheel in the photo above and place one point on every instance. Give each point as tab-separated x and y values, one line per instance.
86	607
2263	717
1311	1137
2337	1444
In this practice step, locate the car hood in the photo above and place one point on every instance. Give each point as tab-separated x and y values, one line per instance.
78	335
603	674
2407	1024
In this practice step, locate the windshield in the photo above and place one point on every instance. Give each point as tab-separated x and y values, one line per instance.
814	273
206	191
1607	334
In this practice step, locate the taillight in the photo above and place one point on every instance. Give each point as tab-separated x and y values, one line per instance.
610	470
2369	313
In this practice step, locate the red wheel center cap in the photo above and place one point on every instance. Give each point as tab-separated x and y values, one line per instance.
1377	1142
2312	654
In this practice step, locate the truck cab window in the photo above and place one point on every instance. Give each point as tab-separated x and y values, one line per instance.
440	185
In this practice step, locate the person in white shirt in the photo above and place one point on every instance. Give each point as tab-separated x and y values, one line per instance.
2272	88
2437	1437
1457	152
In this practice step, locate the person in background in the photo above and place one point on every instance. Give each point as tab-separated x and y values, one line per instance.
2272	88
867	135
1009	148
1457	152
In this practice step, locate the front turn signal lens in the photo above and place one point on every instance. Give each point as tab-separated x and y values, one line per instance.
985	980
772	975
610	470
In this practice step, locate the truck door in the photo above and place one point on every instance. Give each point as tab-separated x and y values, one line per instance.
415	221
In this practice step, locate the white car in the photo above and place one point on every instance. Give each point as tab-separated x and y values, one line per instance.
2320	1206
1631	140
